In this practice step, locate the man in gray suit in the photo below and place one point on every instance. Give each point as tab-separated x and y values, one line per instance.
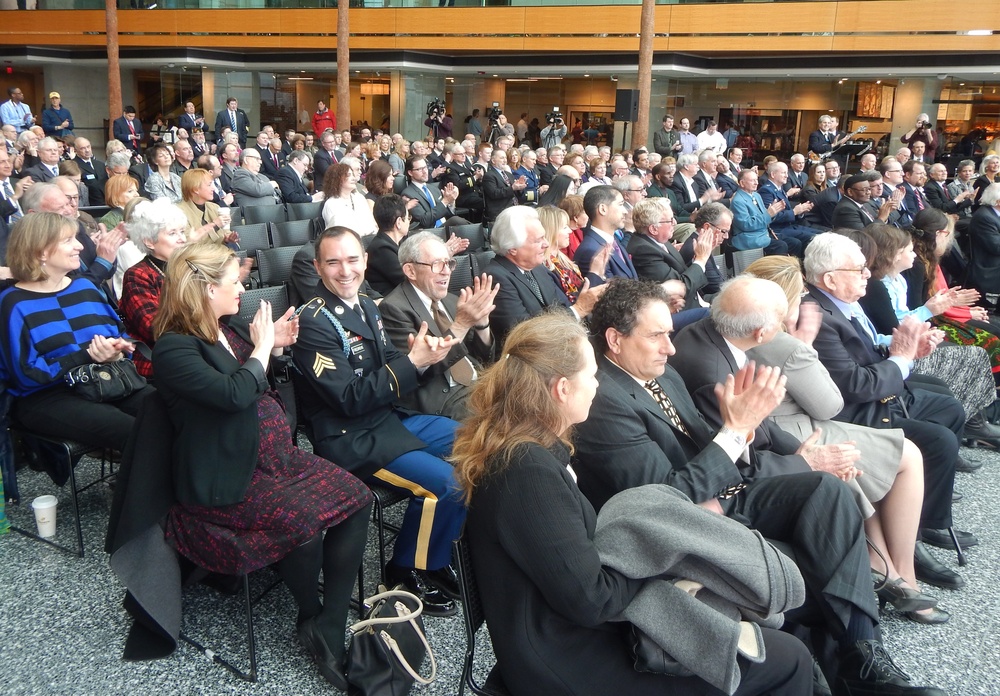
423	298
644	428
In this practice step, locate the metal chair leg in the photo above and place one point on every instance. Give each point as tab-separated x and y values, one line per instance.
958	546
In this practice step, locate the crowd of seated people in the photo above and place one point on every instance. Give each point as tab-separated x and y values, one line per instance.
466	401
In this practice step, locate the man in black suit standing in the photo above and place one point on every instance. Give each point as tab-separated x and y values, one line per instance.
271	158
423	298
526	286
289	179
873	374
128	129
235	119
500	188
326	156
92	169
643	428
229	155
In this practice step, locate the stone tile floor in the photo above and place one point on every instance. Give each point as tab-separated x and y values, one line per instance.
62	627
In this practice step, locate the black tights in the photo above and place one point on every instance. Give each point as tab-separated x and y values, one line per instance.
339	556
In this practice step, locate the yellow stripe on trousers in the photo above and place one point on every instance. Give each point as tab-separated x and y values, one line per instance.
426	513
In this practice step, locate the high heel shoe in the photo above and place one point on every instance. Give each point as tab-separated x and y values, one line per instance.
903	598
934	616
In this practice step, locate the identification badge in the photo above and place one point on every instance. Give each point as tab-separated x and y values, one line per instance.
90	177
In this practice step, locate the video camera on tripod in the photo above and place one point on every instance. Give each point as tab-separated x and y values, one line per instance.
435	107
493	115
554	116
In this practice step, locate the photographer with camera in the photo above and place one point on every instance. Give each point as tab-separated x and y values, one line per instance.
499	126
923	132
555	131
438	121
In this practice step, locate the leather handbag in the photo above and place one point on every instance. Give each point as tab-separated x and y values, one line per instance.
387	647
105	381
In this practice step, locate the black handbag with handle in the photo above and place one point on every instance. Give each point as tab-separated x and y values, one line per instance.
103	382
387	648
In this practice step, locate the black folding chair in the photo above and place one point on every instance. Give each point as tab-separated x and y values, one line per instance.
472	612
274	266
292	233
256	214
276	295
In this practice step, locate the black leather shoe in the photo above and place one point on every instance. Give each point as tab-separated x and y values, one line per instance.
867	670
314	643
436	602
978	428
931	571
932	617
965	466
942	539
446	580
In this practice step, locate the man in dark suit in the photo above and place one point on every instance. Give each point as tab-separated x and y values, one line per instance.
643	428
936	190
235	119
789	223
128	129
271	158
229	156
605	208
688	197
92	170
893	188
854	210
430	205
821	215
526	287
423	298
350	377
704	178
189	120
289	179
984	236
656	259
797	177
326	156
500	188
914	178
47	167
873	374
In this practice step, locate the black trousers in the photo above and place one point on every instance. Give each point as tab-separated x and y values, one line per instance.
58	412
934	422
815	513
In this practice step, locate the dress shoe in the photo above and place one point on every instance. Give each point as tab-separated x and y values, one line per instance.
942	539
978	428
931	571
956	496
965	466
315	644
436	602
446	580
903	598
867	670
932	617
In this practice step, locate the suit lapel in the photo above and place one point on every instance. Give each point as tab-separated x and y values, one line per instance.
421	310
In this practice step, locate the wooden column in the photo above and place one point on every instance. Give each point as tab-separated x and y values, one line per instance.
114	69
343	66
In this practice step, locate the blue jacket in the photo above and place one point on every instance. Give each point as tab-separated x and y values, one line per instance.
52	118
750	221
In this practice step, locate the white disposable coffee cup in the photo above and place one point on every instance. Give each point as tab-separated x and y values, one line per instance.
45	514
226	213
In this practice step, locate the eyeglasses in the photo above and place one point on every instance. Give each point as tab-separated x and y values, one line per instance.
419	169
862	270
438	266
638	190
866	189
74	198
667	222
893	171
719	229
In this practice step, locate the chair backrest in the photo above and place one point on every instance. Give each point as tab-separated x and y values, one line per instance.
236	215
366	240
274	266
461	277
720	261
250	301
474	233
253	237
745	257
254	214
479	261
472	613
304	211
292	233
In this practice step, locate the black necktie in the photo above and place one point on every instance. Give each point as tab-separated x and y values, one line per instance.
535	290
866	339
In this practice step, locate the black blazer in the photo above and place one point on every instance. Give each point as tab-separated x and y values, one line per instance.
862	377
292	188
515	301
498	194
546	597
242	125
939	197
660	263
384	272
402	311
423	215
95	175
984	235
684	199
348	391
703	359
627	441
322	161
212	401
847	214
267	167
